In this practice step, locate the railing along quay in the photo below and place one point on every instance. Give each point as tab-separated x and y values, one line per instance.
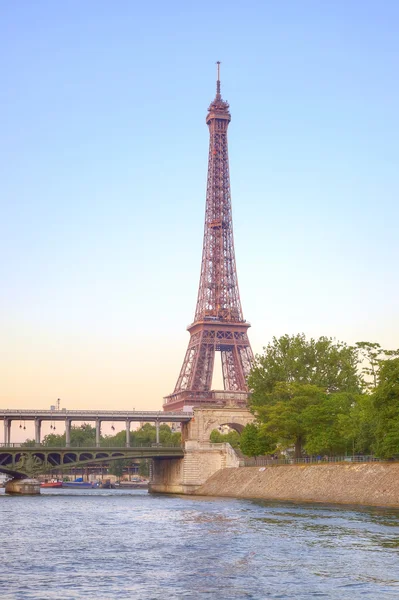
262	461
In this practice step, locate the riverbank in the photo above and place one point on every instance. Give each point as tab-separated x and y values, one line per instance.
370	484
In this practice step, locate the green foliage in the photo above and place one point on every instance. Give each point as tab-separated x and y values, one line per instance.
289	413
373	357
307	395
386	410
144	467
325	424
232	438
28	443
85	436
329	365
145	435
357	427
54	440
254	443
116	467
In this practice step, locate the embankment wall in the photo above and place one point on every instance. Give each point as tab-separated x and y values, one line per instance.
373	484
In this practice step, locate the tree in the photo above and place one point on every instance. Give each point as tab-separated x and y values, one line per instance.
116	467
84	435
324	363
28	443
357	426
373	357
386	410
146	435
253	443
232	437
302	390
326	424
285	415
144	468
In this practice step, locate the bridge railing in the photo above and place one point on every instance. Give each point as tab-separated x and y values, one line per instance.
262	461
16	413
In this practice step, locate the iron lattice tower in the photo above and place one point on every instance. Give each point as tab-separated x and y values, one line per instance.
219	324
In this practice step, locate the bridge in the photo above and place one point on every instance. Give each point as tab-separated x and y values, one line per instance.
96	416
175	469
20	461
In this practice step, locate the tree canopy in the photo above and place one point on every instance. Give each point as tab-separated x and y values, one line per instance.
324	363
253	442
85	435
322	396
385	410
232	438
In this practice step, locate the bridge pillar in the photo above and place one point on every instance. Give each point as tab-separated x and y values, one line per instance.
23	487
7	431
38	428
68	433
127	433
201	458
185	475
98	432
157	431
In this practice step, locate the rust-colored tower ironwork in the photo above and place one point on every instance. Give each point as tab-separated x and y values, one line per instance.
218	324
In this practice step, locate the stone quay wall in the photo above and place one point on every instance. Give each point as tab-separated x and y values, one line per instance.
370	484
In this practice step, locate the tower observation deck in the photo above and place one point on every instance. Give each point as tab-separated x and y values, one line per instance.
219	325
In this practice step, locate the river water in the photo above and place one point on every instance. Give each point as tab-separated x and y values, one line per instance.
127	544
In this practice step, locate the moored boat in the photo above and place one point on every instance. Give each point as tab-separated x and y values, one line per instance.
107	485
51	484
79	485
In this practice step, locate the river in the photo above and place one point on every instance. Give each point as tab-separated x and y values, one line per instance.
127	544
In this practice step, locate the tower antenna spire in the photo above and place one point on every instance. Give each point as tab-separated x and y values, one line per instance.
218	80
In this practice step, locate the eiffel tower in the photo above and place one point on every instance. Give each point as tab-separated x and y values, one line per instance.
218	324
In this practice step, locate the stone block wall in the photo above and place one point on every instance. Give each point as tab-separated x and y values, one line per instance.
200	462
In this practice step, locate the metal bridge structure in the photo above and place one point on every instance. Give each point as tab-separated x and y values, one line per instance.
20	461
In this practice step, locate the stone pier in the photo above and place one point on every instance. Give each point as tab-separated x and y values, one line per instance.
201	458
185	475
23	487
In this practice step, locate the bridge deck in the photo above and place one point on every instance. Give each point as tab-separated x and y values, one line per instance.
93	415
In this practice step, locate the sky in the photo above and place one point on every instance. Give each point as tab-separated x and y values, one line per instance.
103	163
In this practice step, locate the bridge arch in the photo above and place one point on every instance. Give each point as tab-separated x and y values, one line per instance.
238	427
205	420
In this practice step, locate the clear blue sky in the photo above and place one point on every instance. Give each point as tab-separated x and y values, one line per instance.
103	160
